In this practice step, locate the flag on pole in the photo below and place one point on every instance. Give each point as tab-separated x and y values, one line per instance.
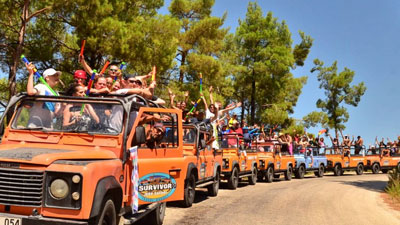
321	132
134	179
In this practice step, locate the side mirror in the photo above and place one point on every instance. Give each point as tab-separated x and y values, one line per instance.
140	135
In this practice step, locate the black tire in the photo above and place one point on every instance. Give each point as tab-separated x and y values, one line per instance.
156	217
253	177
360	169
108	215
320	172
189	192
269	175
398	167
213	188
289	173
300	172
375	168
337	170
384	170
233	180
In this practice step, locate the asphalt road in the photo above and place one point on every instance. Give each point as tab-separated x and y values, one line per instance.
348	199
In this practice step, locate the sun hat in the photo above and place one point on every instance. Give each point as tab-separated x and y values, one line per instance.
50	72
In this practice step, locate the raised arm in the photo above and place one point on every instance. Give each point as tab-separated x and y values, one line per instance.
230	107
186	97
204	101
29	88
211	95
341	133
85	66
171	99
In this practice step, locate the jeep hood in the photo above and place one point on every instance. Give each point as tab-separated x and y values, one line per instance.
46	156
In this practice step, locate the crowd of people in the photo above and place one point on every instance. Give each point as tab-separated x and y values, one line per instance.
223	123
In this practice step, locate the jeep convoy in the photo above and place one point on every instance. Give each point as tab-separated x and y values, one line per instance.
128	166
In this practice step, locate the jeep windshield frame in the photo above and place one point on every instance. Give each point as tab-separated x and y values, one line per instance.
47	112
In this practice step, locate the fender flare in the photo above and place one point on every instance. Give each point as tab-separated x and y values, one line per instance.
234	163
191	166
254	164
216	166
103	186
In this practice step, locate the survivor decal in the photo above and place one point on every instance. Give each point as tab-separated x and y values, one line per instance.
156	187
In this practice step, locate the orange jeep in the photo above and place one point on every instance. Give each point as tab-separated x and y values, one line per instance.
238	161
198	165
381	159
344	159
272	161
52	173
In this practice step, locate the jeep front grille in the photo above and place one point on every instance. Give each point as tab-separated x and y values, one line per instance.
21	187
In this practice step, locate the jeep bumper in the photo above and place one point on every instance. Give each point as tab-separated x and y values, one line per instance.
40	220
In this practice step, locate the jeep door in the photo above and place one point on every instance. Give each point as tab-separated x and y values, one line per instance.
161	165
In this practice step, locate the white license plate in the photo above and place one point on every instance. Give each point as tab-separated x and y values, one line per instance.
10	221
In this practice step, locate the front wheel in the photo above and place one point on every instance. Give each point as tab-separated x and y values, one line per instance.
375	168
233	181
320	172
156	217
337	170
360	169
269	175
213	188
288	173
189	192
300	172
253	178
108	216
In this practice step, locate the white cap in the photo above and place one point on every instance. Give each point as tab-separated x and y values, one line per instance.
50	72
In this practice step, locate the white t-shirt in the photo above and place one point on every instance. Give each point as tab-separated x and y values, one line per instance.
209	114
41	114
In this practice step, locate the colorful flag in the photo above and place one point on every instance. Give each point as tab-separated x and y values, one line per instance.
321	132
134	179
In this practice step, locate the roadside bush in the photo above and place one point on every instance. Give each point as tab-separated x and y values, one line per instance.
393	186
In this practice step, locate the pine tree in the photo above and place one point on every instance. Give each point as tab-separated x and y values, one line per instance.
265	51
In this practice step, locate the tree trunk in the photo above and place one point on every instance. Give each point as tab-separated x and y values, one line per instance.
181	73
253	100
18	51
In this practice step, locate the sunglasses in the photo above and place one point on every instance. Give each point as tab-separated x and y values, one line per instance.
135	81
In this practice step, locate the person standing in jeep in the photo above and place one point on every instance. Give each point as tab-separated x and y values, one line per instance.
42	114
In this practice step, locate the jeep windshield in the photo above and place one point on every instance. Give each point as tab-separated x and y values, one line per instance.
69	115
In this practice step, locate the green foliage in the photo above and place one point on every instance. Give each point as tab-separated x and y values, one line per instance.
338	91
200	48
393	186
265	52
314	118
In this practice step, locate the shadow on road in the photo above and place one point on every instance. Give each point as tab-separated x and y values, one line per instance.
372	185
199	197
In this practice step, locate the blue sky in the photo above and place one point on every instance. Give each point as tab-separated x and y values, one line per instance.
361	35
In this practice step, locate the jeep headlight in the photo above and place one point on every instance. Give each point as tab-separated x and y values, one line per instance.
63	190
59	189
